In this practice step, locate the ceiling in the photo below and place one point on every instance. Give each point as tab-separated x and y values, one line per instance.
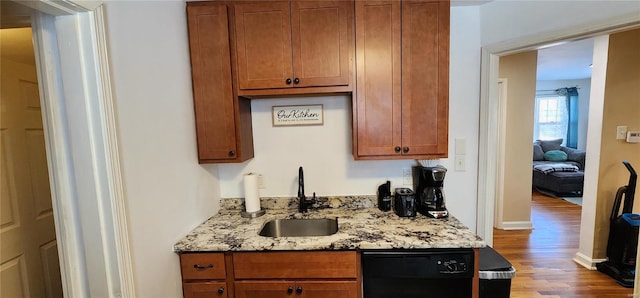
559	62
15	34
16	45
566	61
14	15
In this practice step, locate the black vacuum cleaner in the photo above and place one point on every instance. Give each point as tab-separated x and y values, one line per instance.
623	235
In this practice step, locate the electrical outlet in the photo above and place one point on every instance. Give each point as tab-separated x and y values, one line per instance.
407	179
261	184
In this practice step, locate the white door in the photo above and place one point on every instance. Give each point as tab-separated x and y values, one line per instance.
29	263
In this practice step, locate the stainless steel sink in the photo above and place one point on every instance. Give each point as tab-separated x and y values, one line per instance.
299	227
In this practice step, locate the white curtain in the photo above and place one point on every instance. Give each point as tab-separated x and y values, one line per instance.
551	117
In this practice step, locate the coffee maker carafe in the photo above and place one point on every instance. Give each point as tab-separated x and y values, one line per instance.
428	182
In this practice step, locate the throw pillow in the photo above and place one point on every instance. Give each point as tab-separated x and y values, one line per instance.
548	145
538	154
555	155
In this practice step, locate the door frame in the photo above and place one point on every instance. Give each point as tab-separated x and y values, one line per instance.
500	153
489	163
82	150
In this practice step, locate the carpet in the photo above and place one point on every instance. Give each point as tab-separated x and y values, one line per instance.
574	200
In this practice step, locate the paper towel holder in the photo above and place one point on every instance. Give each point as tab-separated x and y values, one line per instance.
254	214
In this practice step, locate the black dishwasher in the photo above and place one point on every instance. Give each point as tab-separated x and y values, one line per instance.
417	273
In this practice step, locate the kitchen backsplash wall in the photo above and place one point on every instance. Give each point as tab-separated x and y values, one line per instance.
323	150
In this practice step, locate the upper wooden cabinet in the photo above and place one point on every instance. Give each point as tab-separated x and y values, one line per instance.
402	57
294	44
223	123
400	83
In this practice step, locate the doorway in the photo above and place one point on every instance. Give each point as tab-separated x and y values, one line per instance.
80	138
488	148
29	261
548	100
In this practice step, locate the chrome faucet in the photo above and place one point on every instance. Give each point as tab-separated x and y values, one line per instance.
304	204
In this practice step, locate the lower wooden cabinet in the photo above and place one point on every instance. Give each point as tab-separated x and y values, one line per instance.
308	289
311	274
205	290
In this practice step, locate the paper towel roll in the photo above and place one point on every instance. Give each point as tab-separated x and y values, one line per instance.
251	194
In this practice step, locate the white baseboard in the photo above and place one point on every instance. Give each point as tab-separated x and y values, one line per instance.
586	261
515	225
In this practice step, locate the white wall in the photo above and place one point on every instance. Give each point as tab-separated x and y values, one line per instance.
588	224
584	91
167	192
325	151
504	20
464	110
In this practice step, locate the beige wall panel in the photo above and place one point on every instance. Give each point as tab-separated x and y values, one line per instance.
520	72
621	107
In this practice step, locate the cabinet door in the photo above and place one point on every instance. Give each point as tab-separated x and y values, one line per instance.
378	100
425	77
324	289
264	289
205	290
320	33
263	39
211	76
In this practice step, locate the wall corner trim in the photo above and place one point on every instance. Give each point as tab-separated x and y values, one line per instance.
586	261
515	225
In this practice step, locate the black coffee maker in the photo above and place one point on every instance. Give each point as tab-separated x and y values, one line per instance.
427	182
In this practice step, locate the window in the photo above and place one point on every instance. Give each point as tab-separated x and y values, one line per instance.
550	118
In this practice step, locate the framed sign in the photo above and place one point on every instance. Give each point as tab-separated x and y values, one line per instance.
297	115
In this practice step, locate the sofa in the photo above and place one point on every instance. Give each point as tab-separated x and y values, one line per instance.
558	170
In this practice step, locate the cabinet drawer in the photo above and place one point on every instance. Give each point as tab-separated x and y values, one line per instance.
205	289
342	264
202	266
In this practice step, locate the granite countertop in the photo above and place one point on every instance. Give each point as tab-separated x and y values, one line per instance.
361	225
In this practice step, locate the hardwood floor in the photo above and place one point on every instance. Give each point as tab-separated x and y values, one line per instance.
543	256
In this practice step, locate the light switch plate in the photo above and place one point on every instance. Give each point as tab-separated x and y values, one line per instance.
461	164
621	132
461	146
